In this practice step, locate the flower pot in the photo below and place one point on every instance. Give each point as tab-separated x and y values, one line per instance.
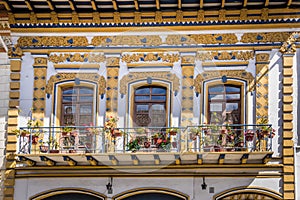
147	144
116	133
44	148
172	133
54	151
72	151
35	139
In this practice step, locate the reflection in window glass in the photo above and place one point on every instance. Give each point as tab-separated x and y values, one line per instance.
142	91
86	91
158	91
159	98
85	109
142	98
86	98
142	108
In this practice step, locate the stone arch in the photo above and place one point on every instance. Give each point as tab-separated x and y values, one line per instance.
248	193
141	193
61	193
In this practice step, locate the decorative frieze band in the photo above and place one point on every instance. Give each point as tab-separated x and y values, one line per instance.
225	55
218	74
150	57
77	57
100	80
135	76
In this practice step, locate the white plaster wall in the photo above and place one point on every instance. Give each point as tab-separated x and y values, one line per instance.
191	186
4	99
274	98
297	173
26	89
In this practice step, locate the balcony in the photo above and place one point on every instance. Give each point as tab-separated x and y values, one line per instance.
212	144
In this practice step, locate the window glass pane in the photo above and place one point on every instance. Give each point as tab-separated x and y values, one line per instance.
215	96
86	91
216	107
140	108
86	119
142	98
232	89
158	91
143	91
216	89
69	91
85	109
69	98
86	98
158	107
232	107
157	115
216	117
232	96
69	109
160	98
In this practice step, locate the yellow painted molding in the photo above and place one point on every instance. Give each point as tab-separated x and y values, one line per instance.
288	169
288	151
76	66
14	85
288	195
287	116
11	147
287	108
15	76
288	178
230	63
13	103
9	182
287	71
10	129
11	156
8	198
287	90
14	95
288	125
288	160
12	138
288	99
149	64
10	173
13	112
15	65
289	187
288	143
287	81
12	121
287	61
10	164
8	191
288	134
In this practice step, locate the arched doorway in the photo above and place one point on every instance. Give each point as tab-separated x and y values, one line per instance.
151	194
69	194
248	193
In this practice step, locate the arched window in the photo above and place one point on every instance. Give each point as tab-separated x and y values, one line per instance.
224	104
150	106
77	106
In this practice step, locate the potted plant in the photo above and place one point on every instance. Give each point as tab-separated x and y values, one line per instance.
172	131
54	146
133	145
110	125
194	132
67	130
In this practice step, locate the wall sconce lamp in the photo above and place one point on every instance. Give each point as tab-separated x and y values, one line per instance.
109	186
203	185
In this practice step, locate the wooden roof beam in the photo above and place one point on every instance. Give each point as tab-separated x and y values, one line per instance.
72	5
28	161
223	4
201	4
50	5
70	161
28	5
115	5
48	161
92	160
266	3
244	158
113	159
5	5
94	6
221	159
157	4
136	5
289	2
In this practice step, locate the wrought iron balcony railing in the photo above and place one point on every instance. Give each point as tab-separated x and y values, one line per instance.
91	139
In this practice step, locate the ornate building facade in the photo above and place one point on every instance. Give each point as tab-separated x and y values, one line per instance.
150	99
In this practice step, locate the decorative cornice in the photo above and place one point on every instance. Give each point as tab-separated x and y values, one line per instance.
112	61
100	80
77	57
133	40
265	37
40	62
241	74
150	57
56	41
224	55
178	17
136	76
289	45
262	57
227	38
